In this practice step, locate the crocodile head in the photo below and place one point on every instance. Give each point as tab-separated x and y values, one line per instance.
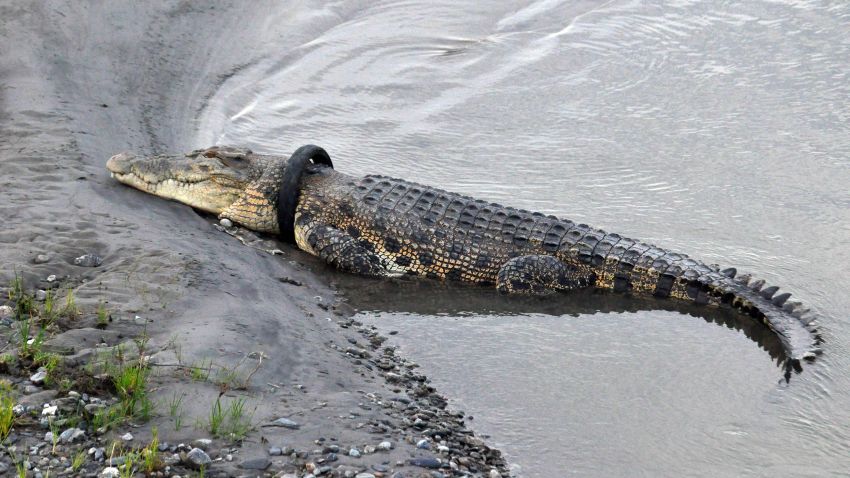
204	180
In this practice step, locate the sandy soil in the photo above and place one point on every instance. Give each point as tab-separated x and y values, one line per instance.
80	82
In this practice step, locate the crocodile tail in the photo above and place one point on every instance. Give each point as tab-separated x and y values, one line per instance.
792	323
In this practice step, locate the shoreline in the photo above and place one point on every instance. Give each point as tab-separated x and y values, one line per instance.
72	95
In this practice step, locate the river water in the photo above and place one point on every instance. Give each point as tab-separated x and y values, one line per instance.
718	129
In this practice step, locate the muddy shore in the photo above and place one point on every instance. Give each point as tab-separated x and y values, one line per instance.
221	321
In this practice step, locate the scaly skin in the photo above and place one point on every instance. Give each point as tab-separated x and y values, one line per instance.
383	226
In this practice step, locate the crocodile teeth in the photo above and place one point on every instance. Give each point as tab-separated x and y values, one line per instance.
780	299
768	292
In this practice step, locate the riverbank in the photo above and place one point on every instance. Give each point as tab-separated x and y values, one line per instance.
213	326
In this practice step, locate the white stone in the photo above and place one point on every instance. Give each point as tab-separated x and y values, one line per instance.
127	436
110	472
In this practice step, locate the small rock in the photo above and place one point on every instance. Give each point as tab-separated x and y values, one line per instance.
49	411
423	444
31	389
41	259
285	423
385	446
51	278
202	443
494	473
255	464
275	451
228	457
364	475
368	449
40	295
380	468
93	408
89	260
71	435
354	452
443	449
48	437
431	463
226	223
99	454
127	436
6	312
196	458
38	377
109	472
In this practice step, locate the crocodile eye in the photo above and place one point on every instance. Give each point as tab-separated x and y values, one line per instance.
233	162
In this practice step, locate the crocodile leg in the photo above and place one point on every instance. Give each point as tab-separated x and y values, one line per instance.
343	251
540	274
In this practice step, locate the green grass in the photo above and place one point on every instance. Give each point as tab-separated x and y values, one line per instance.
70	310
102	315
150	454
49	307
50	362
131	384
201	372
26	349
79	460
7	416
24	302
231	421
21	467
174	409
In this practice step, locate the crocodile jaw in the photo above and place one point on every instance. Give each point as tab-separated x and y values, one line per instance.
201	183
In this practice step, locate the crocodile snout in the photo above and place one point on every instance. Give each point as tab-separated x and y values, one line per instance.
120	163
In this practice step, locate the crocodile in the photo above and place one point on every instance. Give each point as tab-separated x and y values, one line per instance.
381	226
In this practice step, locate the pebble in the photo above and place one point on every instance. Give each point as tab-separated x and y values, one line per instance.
494	473
38	377
51	278
285	423
88	260
72	434
197	458
275	451
255	464
354	452
49	410
41	259
127	436
41	295
432	463
368	449
6	312
48	437
202	443
109	473
364	475
385	446
93	408
226	223
423	444
31	389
